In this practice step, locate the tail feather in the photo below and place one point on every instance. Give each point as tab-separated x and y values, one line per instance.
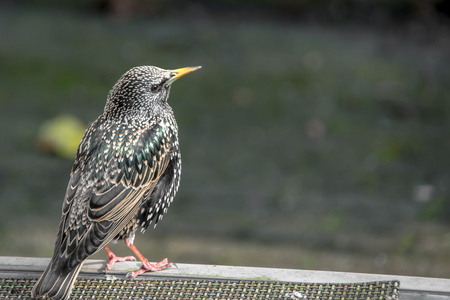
54	284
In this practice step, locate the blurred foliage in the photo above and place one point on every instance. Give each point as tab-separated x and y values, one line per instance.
308	139
406	243
436	209
333	222
60	136
381	12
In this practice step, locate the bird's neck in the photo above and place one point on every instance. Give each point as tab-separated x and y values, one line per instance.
164	117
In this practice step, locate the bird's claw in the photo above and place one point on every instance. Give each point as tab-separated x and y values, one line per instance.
114	259
148	267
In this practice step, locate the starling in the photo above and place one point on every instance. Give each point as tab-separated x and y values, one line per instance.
125	175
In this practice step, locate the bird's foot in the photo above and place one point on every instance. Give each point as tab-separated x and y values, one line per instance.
115	259
112	258
148	267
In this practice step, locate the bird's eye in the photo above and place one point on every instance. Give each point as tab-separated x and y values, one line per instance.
155	88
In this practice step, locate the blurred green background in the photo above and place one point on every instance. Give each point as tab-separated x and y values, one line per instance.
316	135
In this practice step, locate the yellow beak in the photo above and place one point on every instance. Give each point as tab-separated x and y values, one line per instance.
177	73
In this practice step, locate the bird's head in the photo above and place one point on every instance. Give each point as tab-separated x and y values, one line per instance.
142	92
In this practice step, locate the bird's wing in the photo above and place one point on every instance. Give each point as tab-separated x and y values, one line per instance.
131	172
108	183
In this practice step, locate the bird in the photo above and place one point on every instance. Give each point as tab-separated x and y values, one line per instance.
125	175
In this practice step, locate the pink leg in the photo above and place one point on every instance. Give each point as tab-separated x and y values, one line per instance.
146	266
113	258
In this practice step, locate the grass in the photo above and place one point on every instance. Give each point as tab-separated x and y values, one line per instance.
297	139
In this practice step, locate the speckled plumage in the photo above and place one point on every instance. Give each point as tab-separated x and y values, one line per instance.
125	175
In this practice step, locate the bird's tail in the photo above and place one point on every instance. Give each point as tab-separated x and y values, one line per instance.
54	284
